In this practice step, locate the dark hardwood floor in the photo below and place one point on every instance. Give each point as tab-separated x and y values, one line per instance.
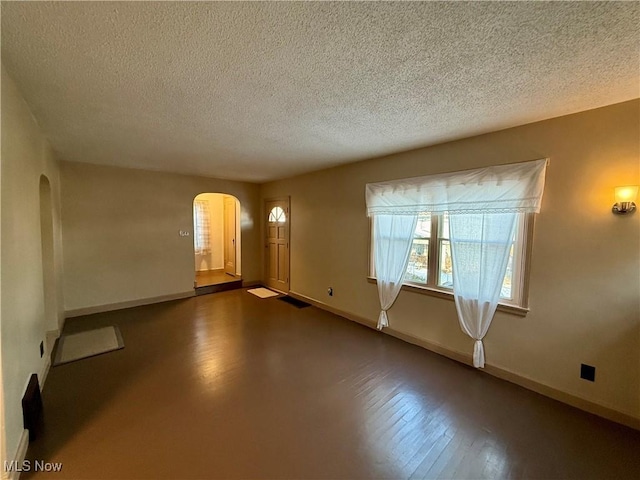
232	386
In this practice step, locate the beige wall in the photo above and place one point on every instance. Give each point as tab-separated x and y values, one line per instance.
121	233
585	276
25	157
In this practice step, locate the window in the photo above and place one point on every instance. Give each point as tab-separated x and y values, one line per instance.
486	201
430	266
201	238
418	267
277	215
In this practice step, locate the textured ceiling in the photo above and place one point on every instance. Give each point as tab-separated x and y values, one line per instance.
258	91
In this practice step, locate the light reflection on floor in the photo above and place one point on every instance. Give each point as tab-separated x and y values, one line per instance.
409	436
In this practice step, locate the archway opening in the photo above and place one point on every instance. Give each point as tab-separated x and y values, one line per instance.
48	267
217	242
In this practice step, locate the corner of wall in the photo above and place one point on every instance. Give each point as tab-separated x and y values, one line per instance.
25	156
16	461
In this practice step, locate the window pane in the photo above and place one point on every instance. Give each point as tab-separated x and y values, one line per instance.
277	215
444	226
423	227
445	276
418	267
417	270
508	277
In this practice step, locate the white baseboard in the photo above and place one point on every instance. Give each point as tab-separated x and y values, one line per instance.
78	312
51	337
50	340
467	359
17	460
42	377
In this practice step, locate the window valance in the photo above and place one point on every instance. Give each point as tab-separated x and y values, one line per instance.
514	187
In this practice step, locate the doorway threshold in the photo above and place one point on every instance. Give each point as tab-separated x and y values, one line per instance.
220	287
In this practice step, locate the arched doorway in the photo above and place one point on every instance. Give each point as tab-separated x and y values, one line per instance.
48	268
217	242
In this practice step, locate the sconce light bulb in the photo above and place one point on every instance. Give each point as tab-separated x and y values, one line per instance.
627	193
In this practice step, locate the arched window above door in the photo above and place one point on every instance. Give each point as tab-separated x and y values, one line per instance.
277	215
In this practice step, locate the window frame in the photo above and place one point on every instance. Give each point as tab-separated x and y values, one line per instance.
523	242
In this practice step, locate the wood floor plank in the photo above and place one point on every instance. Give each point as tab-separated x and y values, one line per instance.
440	444
416	451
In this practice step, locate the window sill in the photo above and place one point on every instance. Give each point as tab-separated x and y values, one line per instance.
512	309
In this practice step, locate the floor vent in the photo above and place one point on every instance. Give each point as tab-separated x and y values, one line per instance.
294	301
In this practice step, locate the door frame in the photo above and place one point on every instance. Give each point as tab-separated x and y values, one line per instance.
230	204
265	225
238	234
47	243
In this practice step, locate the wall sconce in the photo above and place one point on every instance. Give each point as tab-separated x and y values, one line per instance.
625	199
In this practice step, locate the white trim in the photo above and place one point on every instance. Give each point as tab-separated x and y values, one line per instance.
51	337
78	312
448	295
19	457
50	340
570	399
42	377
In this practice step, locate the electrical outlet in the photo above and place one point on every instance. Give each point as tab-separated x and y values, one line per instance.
330	291
41	349
588	372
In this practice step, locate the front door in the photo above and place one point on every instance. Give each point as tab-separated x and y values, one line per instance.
277	244
229	235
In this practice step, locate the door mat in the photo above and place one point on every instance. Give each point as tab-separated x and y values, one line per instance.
263	292
294	301
77	346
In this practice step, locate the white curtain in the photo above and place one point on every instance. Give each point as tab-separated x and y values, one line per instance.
480	245
483	205
515	187
393	237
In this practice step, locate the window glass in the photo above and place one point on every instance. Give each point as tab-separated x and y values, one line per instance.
201	237
508	277
277	215
428	243
418	267
444	226
445	270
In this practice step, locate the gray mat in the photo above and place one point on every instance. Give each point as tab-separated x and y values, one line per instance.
77	346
